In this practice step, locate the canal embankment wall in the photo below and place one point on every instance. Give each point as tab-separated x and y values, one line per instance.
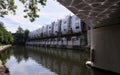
4	47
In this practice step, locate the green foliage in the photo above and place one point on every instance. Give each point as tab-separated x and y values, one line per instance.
7	5
31	7
4	55
20	37
5	36
26	32
20	30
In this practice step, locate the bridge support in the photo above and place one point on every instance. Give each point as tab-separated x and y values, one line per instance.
105	44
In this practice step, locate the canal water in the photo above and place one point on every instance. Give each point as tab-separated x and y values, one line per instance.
46	61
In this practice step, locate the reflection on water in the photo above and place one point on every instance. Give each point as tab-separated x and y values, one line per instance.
43	61
62	62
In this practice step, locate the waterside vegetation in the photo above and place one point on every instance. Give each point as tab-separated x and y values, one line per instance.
5	36
20	37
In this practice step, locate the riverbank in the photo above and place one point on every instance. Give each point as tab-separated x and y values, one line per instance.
4	47
3	69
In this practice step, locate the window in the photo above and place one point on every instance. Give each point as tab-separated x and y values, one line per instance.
56	32
64	22
77	27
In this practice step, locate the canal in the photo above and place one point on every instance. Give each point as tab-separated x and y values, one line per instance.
47	61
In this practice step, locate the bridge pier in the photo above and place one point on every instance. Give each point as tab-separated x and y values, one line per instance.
106	45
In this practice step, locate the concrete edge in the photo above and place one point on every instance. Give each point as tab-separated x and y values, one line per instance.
4	47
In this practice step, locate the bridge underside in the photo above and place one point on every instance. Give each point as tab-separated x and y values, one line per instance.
96	13
104	18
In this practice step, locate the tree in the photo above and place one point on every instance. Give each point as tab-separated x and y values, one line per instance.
2	25
10	39
20	30
21	36
26	32
1	36
5	36
31	7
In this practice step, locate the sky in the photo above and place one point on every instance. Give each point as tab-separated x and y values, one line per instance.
49	13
